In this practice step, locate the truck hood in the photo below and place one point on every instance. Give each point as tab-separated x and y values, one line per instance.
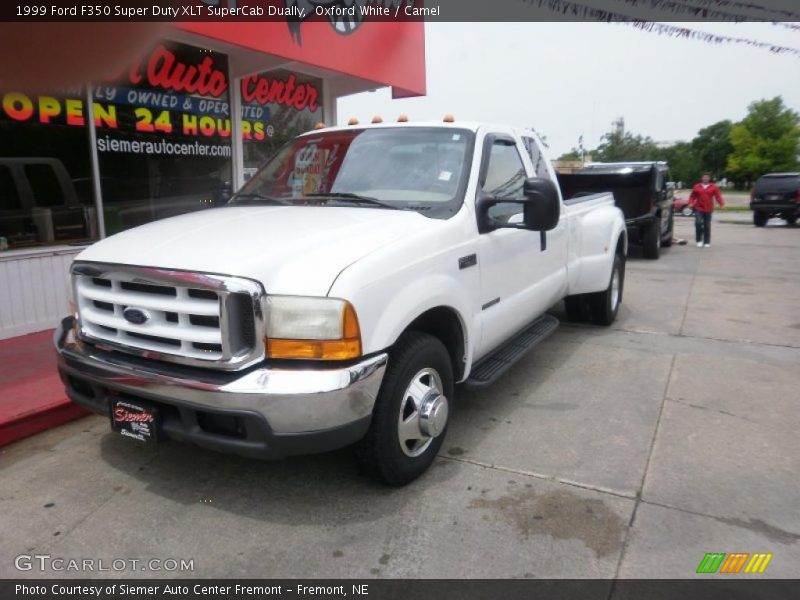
290	250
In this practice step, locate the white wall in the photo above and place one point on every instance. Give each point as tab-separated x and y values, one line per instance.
33	289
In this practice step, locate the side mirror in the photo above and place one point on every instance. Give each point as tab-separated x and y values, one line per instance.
541	208
543	205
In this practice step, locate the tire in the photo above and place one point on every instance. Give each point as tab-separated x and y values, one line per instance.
687	211
604	306
760	219
416	358
791	220
651	240
577	307
667	241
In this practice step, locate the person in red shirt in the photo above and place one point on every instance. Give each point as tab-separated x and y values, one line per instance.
702	201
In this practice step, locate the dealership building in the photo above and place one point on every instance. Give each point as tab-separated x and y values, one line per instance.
179	129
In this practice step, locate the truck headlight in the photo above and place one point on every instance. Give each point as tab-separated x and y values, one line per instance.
312	328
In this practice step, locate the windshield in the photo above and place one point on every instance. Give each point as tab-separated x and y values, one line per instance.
416	168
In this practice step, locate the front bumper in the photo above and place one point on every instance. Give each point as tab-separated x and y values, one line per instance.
263	412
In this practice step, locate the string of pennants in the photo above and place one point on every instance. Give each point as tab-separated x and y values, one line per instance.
580	11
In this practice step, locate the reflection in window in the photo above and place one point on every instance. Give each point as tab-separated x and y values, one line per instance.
505	177
44	152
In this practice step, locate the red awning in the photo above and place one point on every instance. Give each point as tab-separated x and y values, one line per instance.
388	53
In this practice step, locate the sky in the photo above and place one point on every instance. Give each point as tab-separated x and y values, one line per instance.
571	79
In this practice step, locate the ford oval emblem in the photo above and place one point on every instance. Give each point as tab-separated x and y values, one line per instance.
137	316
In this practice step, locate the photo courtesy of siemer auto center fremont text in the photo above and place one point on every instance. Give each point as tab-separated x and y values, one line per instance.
443	299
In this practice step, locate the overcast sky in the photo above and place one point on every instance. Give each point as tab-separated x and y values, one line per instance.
569	79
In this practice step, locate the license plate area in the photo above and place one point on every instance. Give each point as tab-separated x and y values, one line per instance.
134	419
774	197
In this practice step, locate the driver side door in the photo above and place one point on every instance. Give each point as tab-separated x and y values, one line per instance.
507	258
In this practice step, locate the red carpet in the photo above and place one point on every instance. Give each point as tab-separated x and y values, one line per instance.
32	396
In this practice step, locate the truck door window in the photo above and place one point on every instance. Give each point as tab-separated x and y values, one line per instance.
44	184
9	196
538	159
505	177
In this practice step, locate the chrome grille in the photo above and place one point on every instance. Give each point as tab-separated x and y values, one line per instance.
176	316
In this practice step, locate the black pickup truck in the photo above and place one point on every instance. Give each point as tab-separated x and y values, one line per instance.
640	191
776	195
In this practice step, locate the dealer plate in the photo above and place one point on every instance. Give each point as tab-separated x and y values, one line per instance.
135	420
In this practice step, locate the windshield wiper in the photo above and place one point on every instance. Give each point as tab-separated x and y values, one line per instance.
262	197
354	198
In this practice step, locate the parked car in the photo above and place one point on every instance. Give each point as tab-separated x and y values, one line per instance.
681	206
776	195
341	295
640	190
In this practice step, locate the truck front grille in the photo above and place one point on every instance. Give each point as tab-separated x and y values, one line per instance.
177	316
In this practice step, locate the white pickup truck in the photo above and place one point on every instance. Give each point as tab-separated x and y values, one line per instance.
341	295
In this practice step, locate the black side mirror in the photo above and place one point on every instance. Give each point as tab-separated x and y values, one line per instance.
541	208
543	205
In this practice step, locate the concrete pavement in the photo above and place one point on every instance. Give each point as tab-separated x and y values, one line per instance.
629	451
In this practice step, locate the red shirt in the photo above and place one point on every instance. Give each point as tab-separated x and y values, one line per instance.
702	198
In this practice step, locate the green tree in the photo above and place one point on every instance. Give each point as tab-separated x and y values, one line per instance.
574	154
766	140
619	146
684	164
712	147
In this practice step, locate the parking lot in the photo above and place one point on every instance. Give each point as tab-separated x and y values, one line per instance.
630	451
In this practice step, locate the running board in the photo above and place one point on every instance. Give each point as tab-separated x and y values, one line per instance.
491	367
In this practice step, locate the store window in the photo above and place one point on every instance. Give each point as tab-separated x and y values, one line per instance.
276	106
164	136
44	160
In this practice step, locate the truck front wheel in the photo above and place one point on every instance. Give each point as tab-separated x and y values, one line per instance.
604	305
410	417
759	218
651	239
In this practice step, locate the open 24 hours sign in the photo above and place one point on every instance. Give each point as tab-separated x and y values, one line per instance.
176	92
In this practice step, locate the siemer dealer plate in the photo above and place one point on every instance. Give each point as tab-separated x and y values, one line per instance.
134	420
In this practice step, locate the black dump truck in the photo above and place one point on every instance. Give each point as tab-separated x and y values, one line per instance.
640	191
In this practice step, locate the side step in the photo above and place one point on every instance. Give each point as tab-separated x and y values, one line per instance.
491	367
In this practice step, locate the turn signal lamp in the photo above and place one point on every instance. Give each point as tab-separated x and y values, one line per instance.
352	121
320	125
449	119
312	329
402	119
377	119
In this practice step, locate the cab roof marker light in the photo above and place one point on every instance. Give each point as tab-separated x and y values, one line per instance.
377	119
352	121
320	125
449	119
402	119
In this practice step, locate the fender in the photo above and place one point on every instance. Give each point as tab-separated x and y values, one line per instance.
601	233
383	320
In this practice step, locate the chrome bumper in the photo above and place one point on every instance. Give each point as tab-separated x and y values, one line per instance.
291	401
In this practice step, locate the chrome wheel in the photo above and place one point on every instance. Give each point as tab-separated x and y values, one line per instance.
423	412
686	211
614	289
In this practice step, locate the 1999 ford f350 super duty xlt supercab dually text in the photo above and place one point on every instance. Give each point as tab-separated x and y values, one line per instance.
341	295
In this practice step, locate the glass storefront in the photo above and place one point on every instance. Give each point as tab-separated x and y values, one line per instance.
46	187
164	136
276	106
164	144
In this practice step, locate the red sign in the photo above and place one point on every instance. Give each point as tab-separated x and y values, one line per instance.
286	92
386	52
163	70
